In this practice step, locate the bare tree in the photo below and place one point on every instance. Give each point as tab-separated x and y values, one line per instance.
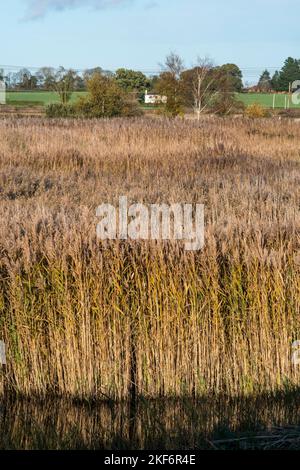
203	89
174	65
63	83
170	84
45	78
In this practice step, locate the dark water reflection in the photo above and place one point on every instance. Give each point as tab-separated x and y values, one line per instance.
149	425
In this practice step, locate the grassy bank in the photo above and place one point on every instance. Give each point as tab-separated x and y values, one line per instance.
90	320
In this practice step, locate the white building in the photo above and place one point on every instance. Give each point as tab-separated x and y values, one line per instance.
155	99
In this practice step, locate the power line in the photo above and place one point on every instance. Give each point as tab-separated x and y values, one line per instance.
248	69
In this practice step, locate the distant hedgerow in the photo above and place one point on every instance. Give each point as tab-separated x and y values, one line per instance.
59	110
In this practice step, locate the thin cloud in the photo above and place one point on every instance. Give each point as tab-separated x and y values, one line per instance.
39	8
150	5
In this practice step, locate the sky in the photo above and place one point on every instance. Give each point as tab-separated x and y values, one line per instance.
138	34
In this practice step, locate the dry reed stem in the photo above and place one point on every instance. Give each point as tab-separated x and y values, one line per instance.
221	320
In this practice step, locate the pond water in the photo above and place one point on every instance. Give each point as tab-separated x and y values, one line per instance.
157	424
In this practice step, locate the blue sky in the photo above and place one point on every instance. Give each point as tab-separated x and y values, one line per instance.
139	33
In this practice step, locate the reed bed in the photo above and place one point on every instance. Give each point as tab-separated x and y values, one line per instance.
90	320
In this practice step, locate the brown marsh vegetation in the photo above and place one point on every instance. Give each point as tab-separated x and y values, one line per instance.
90	321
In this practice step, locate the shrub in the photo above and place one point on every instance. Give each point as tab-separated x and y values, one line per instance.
256	110
106	99
59	110
225	103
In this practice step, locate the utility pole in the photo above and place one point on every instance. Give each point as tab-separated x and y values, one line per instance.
290	93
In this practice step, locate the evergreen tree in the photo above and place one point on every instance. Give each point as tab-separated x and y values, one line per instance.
265	82
275	81
289	73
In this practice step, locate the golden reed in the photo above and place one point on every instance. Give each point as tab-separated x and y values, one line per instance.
85	320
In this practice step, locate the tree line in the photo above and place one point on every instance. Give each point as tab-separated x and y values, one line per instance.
203	87
282	80
46	78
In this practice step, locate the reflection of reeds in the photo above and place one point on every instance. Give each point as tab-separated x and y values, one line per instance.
161	424
88	320
278	438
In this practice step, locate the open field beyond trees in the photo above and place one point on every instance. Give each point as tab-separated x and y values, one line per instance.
266	99
91	320
43	98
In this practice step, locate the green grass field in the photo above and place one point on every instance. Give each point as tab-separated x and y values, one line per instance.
43	98
265	99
